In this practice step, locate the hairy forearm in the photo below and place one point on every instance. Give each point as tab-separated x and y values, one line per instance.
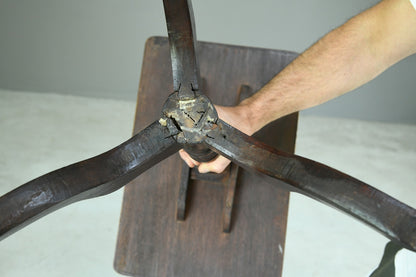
341	61
344	59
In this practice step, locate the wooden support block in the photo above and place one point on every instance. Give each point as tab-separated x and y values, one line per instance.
151	241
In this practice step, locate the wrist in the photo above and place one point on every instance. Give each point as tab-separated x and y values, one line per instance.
251	115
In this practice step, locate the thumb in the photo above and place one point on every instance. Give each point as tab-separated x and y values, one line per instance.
217	165
204	168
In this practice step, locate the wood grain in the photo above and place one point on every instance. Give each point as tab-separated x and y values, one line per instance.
151	242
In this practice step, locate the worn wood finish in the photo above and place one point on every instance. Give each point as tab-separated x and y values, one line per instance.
181	30
390	217
151	241
90	178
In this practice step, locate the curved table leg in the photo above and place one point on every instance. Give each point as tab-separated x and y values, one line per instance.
390	217
94	177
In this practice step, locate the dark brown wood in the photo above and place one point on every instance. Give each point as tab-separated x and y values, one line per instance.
151	241
182	193
392	218
231	185
162	247
90	178
230	190
181	30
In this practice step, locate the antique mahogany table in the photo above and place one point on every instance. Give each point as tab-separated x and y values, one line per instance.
231	224
176	222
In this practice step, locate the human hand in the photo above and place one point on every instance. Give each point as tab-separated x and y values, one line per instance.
233	116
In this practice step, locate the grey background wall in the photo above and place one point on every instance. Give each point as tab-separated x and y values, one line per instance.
94	47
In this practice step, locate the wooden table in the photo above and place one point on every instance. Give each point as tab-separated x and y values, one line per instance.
151	241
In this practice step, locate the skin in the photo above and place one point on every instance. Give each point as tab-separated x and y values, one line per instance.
344	59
